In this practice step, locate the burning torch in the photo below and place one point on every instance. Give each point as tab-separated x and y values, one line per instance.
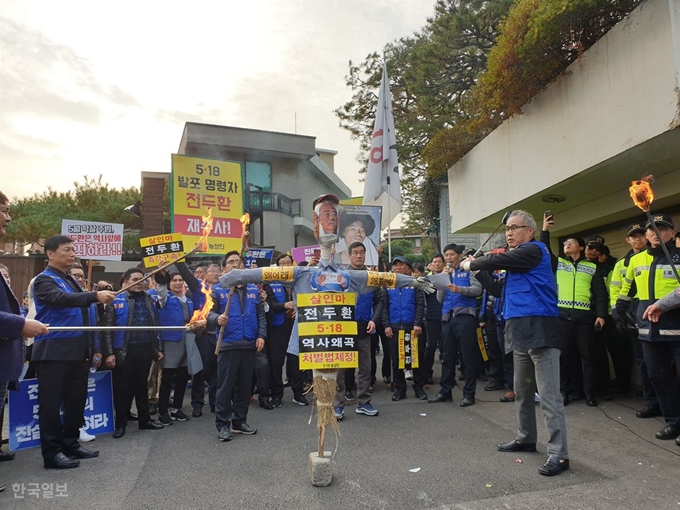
245	238
201	246
643	196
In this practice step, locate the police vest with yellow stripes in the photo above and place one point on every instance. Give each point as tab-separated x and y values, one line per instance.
573	283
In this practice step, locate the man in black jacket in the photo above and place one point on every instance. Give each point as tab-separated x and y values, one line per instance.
62	357
129	353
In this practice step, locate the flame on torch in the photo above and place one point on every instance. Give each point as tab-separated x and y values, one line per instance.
202	314
245	235
202	244
641	193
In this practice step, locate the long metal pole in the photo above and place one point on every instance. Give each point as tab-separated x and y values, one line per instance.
116	328
159	269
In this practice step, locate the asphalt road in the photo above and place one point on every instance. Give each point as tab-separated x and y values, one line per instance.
615	462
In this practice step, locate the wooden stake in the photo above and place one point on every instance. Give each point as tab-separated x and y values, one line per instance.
89	275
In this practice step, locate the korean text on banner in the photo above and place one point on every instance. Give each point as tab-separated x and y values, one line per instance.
95	240
303	253
199	183
161	248
24	431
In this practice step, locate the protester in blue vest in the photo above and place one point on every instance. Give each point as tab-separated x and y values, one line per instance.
129	353
532	333
62	358
205	339
13	327
404	310
367	313
175	309
281	318
460	305
245	331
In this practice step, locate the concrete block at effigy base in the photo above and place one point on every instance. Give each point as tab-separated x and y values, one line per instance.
321	469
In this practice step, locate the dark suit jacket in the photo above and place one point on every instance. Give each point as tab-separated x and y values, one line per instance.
12	350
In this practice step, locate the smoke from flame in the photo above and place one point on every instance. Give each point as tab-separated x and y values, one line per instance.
202	244
641	193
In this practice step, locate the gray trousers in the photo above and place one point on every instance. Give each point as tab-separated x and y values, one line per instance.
540	368
363	343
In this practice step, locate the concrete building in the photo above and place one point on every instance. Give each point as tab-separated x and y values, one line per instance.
612	118
282	174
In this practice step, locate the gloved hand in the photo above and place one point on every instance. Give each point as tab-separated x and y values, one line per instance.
621	327
423	283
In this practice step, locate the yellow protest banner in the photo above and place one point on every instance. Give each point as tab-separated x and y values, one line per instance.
327	328
376	279
326	298
161	248
198	184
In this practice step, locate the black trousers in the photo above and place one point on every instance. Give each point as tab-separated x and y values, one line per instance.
464	328
659	357
620	349
433	334
419	374
61	382
178	377
234	382
648	392
206	346
577	367
276	345
261	374
495	352
129	383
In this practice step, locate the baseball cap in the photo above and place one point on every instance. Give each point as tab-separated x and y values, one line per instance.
635	227
328	197
661	219
402	260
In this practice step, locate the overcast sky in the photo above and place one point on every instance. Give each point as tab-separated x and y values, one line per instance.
105	88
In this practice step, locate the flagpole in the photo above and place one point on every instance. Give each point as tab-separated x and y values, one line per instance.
389	225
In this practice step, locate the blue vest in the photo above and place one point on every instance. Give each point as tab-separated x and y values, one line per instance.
278	318
402	305
457	300
172	314
61	316
364	307
198	298
531	294
242	323
122	310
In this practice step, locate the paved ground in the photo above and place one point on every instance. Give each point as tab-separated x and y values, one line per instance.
615	463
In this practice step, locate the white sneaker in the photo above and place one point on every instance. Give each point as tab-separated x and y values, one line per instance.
85	437
408	374
537	398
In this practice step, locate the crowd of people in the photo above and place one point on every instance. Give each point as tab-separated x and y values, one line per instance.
550	324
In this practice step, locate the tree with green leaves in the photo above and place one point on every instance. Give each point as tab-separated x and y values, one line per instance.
39	217
430	73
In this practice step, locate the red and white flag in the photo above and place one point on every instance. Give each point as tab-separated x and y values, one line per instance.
382	186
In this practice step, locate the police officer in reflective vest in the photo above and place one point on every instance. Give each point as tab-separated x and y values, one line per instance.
62	358
578	291
654	278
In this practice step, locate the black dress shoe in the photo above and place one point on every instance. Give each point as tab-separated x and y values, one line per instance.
396	396
197	412
493	386
516	446
265	404
648	412
118	433
132	417
440	398
467	401
61	461
6	456
150	425
590	401
668	432
553	466
81	453
420	394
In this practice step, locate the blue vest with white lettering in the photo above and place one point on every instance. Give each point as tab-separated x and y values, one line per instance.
198	298
59	316
242	323
172	314
120	305
364	307
533	293
457	300
402	305
278	318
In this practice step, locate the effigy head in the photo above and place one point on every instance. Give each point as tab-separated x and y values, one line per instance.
326	219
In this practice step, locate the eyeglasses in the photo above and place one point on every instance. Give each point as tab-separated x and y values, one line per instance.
78	276
513	228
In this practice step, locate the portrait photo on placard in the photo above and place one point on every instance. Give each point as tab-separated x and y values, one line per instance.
358	223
